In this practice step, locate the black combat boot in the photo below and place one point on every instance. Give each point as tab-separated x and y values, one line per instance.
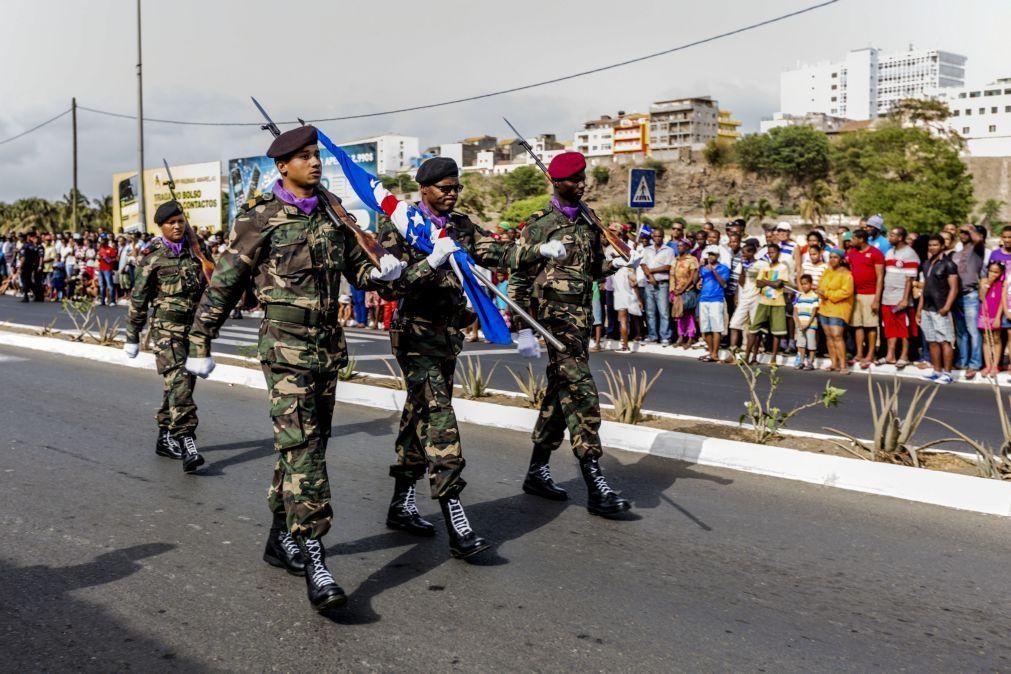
323	590
463	542
167	445
539	481
191	457
282	551
602	500
403	513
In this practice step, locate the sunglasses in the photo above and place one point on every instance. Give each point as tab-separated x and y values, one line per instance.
446	189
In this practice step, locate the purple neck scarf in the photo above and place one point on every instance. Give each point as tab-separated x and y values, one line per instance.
439	220
571	212
307	205
176	248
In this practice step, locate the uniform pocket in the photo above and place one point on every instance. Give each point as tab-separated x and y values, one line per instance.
170	282
288	431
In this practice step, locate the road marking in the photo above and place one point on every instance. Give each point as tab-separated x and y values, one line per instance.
11	359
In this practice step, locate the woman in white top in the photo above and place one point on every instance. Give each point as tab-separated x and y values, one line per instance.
626	301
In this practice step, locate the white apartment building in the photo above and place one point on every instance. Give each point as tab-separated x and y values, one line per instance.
868	82
596	138
982	115
394	153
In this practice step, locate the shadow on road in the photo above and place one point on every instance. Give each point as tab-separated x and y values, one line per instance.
48	629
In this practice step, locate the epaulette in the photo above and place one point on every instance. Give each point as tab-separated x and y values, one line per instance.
261	198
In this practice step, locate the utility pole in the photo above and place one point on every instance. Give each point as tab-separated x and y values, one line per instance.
73	191
142	215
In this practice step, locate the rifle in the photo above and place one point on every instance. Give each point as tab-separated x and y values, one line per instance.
332	206
191	237
613	239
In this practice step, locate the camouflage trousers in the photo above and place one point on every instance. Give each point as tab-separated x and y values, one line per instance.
429	438
301	408
178	412
571	400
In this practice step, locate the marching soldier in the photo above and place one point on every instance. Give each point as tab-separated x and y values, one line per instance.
562	286
169	278
295	256
427	336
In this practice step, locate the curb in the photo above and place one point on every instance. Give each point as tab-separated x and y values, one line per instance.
961	492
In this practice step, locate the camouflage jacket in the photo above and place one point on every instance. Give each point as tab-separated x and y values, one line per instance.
293	260
171	283
570	279
433	309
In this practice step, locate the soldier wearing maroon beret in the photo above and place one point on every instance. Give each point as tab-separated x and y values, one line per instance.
558	256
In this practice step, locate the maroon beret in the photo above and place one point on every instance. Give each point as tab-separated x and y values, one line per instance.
566	165
290	142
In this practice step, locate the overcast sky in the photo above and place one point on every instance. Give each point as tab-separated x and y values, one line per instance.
203	59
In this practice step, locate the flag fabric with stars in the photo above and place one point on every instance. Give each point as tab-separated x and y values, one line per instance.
417	230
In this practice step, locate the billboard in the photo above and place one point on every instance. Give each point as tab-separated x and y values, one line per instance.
198	187
250	176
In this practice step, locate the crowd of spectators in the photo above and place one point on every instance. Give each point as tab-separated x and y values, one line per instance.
858	296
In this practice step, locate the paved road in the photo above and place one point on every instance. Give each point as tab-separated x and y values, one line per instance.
114	559
687	386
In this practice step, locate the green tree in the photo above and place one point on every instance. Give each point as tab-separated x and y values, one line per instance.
718	153
663	222
908	174
763	209
521	210
781	190
797	153
990	211
709	202
656	165
473	200
753	153
601	175
616	212
524	182
816	203
732	208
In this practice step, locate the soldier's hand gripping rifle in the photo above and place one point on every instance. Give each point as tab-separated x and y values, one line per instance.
613	239
191	237
332	206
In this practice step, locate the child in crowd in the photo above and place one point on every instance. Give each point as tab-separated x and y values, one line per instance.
991	313
805	315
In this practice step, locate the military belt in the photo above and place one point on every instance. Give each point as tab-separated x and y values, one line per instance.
565	298
183	317
298	315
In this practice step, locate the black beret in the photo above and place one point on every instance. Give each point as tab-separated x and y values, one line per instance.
167	210
435	169
292	141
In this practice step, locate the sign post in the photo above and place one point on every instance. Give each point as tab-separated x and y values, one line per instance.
641	193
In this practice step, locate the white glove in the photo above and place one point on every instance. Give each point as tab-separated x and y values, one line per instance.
442	249
632	263
131	350
201	367
527	344
553	250
389	269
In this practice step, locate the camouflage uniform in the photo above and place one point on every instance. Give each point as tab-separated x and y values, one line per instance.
562	292
172	284
295	263
427	339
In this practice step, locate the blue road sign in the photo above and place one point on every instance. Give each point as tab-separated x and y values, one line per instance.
641	188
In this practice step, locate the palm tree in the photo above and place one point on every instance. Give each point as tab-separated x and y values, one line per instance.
763	209
817	200
990	210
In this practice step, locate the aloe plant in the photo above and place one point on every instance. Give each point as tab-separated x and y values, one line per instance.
534	387
347	373
996	465
628	395
473	380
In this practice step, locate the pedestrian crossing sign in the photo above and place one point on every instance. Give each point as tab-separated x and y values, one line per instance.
641	188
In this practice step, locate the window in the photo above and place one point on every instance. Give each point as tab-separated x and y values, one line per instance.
973	94
835	74
833	99
993	110
834	87
1007	108
992	128
965	131
968	111
954	113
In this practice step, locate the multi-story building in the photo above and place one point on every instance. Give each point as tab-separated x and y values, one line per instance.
631	135
394	153
818	121
596	138
982	116
727	128
868	82
682	123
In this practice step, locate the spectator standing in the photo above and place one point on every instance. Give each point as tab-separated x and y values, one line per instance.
814	264
712	302
747	297
875	226
901	267
626	302
969	260
770	314
867	264
836	292
991	290
108	260
805	316
1002	253
940	290
684	296
656	263
736	257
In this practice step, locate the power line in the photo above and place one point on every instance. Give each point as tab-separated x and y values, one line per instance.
36	127
500	92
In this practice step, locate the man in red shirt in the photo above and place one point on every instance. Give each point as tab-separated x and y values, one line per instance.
868	266
108	260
